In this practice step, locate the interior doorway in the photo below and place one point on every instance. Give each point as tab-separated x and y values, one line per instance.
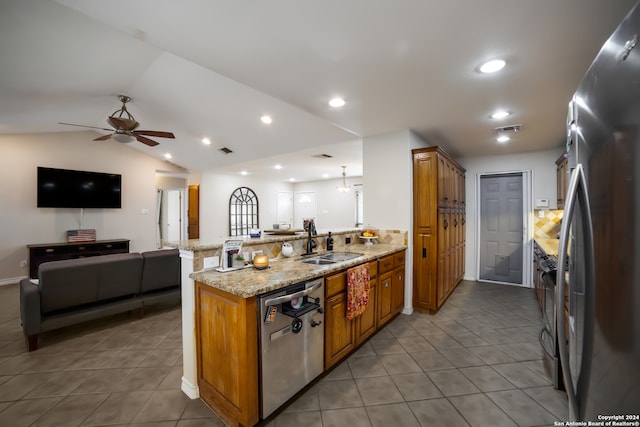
502	228
193	212
170	216
305	206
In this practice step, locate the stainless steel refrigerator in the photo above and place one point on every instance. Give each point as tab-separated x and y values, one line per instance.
598	280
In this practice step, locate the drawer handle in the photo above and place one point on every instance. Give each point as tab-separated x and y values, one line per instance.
49	250
386	284
109	246
455	222
463	221
446	224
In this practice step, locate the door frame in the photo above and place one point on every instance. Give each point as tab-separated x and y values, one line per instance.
183	213
527	226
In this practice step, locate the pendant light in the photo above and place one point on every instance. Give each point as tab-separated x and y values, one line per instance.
344	188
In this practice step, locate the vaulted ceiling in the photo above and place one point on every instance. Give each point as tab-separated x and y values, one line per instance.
212	68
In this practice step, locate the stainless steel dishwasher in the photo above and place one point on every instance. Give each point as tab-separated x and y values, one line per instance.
291	341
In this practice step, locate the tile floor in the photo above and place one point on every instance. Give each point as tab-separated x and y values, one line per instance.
476	362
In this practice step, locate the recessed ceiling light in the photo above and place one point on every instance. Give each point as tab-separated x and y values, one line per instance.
492	66
266	120
206	141
278	167
292	179
325	175
244	173
336	102
501	114
167	155
502	138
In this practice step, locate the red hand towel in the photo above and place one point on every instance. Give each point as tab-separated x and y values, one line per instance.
358	286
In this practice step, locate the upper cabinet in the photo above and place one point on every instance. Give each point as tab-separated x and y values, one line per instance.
438	227
562	179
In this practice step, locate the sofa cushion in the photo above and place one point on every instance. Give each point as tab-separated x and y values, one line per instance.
120	275
75	282
161	270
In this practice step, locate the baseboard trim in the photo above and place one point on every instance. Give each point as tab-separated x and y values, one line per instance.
192	391
11	280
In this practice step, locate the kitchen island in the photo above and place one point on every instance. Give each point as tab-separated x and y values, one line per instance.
227	325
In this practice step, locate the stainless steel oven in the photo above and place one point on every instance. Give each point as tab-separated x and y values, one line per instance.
291	341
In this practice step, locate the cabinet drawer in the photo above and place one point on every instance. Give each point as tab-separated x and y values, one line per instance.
398	259
335	284
48	251
385	264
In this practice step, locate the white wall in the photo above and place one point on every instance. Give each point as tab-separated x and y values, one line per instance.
23	223
215	191
335	209
543	173
388	180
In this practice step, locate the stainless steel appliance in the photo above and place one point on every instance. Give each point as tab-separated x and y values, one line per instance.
548	337
599	257
291	341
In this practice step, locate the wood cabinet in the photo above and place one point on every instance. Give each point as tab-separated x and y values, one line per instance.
44	252
227	336
227	354
339	333
386	299
439	201
562	179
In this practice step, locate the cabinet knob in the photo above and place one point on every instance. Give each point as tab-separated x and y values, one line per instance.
386	284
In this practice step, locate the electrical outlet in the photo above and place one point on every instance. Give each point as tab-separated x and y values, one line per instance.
347	240
23	263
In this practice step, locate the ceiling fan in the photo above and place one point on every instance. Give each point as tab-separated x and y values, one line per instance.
124	127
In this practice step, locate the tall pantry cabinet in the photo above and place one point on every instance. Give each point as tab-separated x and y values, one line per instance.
438	227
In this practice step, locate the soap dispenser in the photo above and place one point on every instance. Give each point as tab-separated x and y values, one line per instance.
329	242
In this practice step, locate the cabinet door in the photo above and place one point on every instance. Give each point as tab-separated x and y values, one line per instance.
384	298
444	182
424	272
339	337
227	349
425	189
397	290
366	323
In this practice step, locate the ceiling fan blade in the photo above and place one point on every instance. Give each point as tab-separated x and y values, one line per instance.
154	133
103	137
145	140
83	126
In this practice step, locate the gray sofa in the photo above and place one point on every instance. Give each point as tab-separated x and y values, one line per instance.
77	290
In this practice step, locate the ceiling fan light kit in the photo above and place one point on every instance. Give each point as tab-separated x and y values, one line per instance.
124	127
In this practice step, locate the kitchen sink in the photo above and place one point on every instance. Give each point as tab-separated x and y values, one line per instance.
331	258
318	261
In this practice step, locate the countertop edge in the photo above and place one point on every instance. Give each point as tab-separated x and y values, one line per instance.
282	272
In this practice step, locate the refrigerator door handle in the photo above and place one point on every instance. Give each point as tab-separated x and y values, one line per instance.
577	188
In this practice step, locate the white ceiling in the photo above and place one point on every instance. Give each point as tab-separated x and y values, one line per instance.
212	67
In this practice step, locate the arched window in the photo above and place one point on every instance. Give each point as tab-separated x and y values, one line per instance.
243	212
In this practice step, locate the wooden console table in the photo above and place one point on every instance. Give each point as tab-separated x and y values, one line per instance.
43	252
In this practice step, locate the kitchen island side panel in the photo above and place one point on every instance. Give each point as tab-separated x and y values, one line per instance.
227	349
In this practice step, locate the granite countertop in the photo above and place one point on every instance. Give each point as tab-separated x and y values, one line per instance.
199	245
550	246
249	282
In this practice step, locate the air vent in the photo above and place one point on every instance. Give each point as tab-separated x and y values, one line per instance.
509	128
322	156
225	150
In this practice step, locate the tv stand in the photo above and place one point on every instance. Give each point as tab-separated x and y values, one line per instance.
43	252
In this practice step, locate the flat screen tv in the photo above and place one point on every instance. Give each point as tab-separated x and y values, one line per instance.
63	188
